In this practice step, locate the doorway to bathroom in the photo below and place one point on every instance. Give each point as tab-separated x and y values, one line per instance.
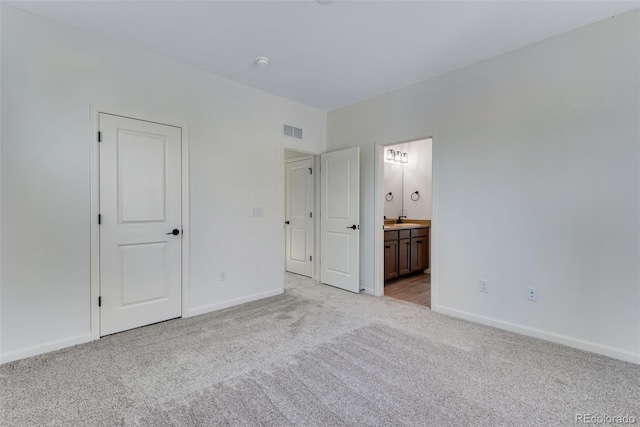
405	195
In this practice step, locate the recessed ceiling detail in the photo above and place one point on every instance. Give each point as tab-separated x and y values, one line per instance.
328	57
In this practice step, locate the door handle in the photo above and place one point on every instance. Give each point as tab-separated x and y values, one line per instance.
286	222
353	227
175	232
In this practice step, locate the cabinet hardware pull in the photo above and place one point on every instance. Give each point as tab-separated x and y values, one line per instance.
387	247
418	241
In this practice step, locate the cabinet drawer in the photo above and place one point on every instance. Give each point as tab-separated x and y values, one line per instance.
391	235
419	232
404	234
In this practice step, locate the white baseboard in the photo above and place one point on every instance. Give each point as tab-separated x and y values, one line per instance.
592	347
232	302
44	348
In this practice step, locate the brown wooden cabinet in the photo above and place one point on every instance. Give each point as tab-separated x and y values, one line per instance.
405	251
390	254
419	249
419	254
404	257
390	259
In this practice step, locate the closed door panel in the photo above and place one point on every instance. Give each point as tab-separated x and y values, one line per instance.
298	217
140	206
340	218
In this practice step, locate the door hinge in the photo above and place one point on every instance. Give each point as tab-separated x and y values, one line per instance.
99	301
310	257
99	136
99	219
310	214
310	171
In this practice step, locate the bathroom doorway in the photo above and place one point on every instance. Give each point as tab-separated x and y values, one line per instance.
405	201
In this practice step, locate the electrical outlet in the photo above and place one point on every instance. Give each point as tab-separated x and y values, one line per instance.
222	276
484	286
532	294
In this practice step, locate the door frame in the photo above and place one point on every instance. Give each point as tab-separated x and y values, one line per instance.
378	204
311	157
94	247
315	265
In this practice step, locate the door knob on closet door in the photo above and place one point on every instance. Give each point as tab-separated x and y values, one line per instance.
353	227
286	222
175	232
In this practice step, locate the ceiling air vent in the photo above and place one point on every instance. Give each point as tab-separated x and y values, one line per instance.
292	132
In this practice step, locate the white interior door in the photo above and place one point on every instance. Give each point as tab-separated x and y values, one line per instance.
298	216
141	223
340	219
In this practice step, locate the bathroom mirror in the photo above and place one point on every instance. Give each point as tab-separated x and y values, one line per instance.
407	184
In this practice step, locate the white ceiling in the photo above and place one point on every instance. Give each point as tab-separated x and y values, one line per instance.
328	56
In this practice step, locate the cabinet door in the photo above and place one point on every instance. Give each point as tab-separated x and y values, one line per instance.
390	259
404	256
419	253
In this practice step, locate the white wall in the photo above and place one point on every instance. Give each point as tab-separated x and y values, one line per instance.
536	183
417	177
50	75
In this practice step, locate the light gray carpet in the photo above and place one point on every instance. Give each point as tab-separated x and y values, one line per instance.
316	356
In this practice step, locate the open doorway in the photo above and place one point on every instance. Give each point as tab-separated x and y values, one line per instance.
299	208
406	203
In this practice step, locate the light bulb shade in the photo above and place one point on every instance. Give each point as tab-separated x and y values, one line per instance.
405	158
396	156
390	154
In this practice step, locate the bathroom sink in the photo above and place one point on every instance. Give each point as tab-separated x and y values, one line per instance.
401	226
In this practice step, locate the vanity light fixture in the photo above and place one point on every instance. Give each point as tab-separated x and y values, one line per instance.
391	154
395	156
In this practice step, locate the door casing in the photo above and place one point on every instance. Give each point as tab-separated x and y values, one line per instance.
95	208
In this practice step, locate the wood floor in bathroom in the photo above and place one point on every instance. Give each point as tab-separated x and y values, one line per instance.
415	289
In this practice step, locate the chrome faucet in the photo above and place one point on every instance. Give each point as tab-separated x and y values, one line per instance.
399	221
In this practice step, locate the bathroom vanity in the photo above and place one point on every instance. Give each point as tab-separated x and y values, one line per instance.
406	249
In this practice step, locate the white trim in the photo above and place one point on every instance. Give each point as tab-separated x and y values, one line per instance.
298	158
589	346
378	217
0	199
44	348
203	309
95	208
94	245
